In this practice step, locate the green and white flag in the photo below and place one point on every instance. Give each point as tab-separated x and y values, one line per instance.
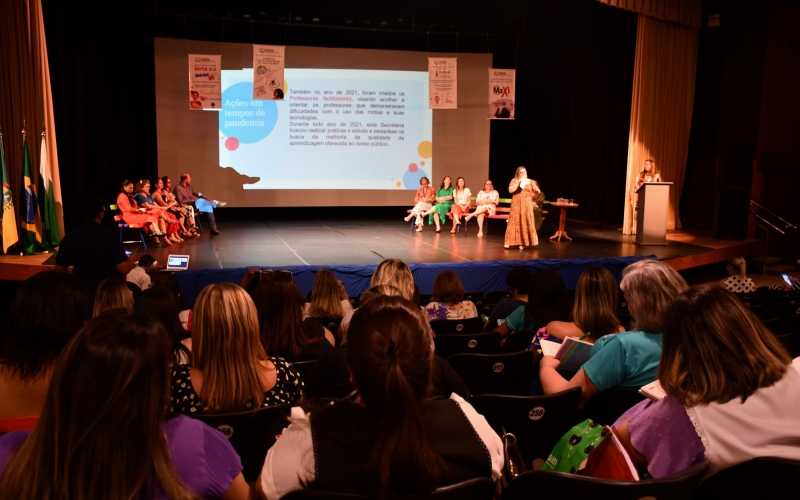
47	201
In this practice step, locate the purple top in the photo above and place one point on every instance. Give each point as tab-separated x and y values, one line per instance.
663	433
203	458
185	194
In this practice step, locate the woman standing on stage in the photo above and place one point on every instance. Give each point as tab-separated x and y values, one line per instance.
444	200
422	202
521	224
461	200
649	173
485	203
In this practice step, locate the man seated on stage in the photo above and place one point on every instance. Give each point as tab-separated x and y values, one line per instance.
185	194
93	252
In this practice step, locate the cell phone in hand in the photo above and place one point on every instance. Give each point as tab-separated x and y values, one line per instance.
787	279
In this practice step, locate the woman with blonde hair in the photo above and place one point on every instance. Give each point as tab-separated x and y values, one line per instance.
329	298
737	281
628	359
104	433
230	372
112	294
521	229
732	394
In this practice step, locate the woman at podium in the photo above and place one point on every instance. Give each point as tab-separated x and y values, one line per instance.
648	174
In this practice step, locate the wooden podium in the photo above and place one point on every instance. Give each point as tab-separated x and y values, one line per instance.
651	215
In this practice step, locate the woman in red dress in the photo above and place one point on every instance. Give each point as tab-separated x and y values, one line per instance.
132	214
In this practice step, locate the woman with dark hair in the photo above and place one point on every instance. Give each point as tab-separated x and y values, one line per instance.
162	306
449	303
145	200
547	301
163	201
169	197
131	214
732	394
444	200
171	284
395	441
230	371
103	431
283	331
423	200
112	294
39	328
462	198
628	359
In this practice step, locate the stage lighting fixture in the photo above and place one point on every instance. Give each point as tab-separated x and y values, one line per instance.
246	16
315	20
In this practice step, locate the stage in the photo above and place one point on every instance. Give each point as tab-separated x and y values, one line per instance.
352	247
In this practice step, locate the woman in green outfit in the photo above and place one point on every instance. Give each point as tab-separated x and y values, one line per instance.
444	200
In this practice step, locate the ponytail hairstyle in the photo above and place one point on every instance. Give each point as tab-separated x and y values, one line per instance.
390	357
99	434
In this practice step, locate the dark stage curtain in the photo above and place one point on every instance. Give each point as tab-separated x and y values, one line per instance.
575	71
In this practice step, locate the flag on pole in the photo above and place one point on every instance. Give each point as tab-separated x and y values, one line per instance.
9	217
32	230
47	200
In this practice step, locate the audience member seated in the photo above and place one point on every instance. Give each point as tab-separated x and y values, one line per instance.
594	312
139	274
738	282
395	440
389	272
518	280
162	306
329	298
628	359
171	285
732	392
284	332
449	302
230	372
93	252
112	294
103	431
547	302
45	313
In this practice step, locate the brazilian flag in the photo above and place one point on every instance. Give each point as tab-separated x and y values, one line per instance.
31	237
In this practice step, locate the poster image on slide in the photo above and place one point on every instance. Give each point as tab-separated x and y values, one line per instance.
334	129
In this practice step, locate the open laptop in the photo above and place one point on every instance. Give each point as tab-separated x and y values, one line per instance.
177	263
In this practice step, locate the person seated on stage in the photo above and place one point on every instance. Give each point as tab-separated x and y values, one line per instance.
138	274
593	314
547	301
738	282
518	281
185	194
485	204
46	312
112	293
444	200
423	201
733	393
93	252
104	433
133	214
283	331
329	299
230	371
166	201
395	440
628	359
462	199
448	293
164	186
162	306
145	200
389	272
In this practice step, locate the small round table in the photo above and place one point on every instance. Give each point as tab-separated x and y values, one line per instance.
562	219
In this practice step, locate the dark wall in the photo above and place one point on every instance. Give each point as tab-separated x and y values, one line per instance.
574	59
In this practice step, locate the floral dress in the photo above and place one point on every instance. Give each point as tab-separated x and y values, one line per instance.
521	230
183	398
439	310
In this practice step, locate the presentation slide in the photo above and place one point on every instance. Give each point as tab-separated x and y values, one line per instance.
335	129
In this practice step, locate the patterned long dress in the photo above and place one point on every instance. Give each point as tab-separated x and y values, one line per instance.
521	230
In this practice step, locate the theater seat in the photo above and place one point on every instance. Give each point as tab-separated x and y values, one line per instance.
548	484
457	326
479	343
509	374
304	367
481	488
759	478
607	406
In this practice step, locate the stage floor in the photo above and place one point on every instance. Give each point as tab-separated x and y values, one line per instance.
325	242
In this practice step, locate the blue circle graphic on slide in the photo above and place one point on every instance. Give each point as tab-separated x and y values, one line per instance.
234	126
411	179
